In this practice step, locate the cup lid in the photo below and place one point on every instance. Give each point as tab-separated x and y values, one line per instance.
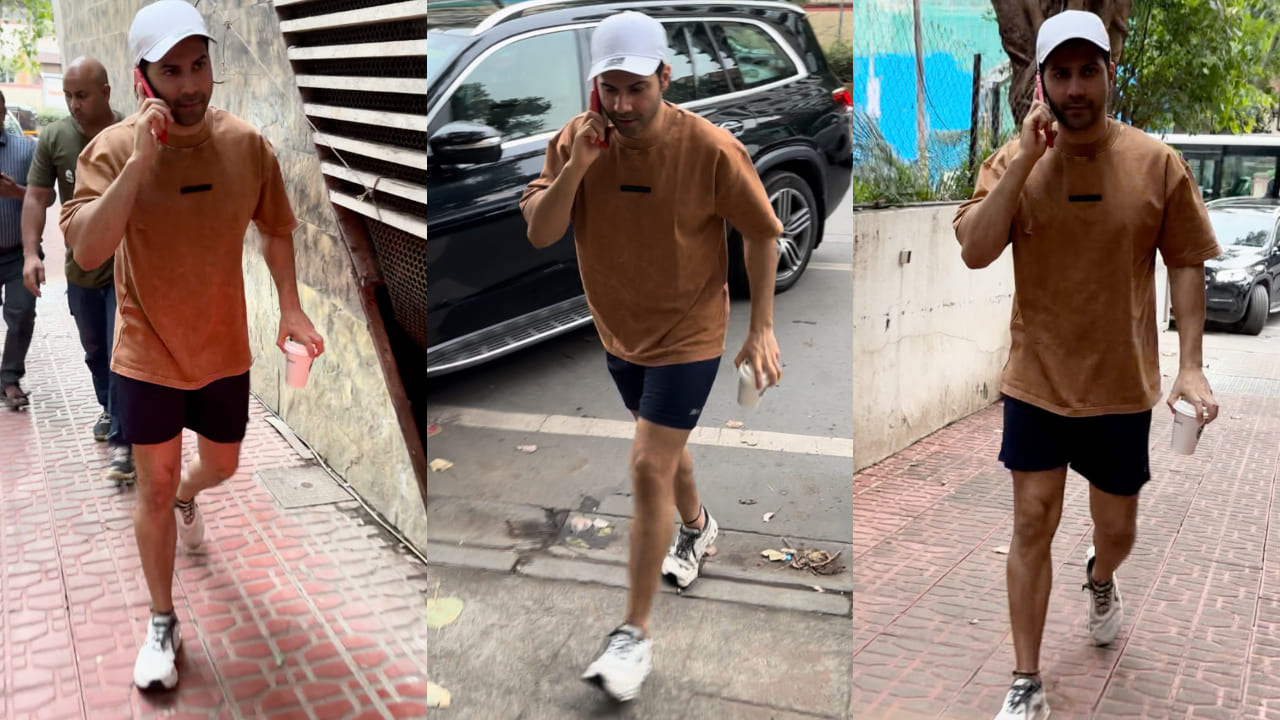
295	347
1185	407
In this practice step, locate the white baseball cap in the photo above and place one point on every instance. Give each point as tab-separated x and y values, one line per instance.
161	25
1071	25
629	41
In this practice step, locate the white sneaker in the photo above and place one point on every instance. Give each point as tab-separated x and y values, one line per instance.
190	524
624	664
155	668
1105	610
1026	701
688	548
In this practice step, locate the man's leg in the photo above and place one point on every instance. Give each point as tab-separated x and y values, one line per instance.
159	466
1115	527
688	502
655	455
20	321
1037	508
215	462
87	310
219	414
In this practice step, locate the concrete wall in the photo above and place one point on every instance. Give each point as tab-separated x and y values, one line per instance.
930	336
345	412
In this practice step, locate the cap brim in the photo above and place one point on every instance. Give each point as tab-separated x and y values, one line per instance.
1041	59
642	66
162	48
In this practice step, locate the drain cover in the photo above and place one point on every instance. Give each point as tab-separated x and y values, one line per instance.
302	486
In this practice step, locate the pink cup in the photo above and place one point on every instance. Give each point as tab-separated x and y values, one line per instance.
297	364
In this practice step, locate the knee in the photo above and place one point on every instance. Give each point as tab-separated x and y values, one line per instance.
157	488
221	469
1034	524
1117	531
651	474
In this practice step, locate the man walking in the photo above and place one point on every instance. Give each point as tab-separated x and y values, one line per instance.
1086	203
182	355
91	295
649	213
18	304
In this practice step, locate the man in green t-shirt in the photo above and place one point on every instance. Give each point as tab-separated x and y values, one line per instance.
91	294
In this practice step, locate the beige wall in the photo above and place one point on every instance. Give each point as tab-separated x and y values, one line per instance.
929	336
345	412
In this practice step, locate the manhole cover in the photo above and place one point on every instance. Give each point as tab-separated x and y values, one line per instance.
302	486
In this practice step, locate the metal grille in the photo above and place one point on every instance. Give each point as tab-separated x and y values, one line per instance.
385	102
403	260
399	67
373	133
384	200
325	7
381	168
386	32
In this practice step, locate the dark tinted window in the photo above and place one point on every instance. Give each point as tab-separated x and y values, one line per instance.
683	88
706	64
752	56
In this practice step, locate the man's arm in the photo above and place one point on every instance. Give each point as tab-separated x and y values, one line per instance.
98	226
277	251
983	230
547	203
34	207
1186	290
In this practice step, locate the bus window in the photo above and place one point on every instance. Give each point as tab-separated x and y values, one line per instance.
1248	175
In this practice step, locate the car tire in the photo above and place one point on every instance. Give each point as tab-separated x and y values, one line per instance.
1255	315
791	196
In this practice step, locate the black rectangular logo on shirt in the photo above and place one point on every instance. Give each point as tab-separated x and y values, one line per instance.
1084	198
636	188
195	189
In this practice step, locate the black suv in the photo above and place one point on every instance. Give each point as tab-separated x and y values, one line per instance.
502	82
1241	284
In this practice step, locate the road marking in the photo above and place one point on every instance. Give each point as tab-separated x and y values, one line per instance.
845	267
624	430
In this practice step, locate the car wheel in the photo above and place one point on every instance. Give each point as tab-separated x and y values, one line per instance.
794	204
1255	316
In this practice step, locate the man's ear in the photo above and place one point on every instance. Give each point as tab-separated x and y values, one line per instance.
665	80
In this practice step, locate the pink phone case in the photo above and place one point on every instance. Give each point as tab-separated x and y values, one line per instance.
140	80
595	108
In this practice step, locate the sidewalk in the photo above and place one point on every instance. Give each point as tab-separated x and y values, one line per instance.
1201	589
291	609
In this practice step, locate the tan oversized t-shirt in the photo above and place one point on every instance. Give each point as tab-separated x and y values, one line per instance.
648	223
180	318
1089	222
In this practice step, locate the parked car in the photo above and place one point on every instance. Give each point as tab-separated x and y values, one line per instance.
1242	285
501	84
26	118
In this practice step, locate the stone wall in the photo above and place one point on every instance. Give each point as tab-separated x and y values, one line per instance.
345	413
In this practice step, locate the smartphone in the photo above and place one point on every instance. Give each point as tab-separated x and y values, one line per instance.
1048	136
595	108
140	80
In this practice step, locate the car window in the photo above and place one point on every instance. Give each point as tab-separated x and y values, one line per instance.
11	126
711	80
753	58
1240	229
528	87
683	87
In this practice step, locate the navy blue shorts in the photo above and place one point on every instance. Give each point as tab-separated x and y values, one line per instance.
1110	451
148	413
667	395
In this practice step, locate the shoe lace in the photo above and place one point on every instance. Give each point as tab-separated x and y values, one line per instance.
1101	596
684	543
1020	694
104	417
188	512
162	633
622	643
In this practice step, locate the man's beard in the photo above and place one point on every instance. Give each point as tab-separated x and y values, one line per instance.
1097	113
636	129
190	116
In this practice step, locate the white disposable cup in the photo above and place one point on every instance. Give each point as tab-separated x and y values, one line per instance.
1186	429
297	364
748	396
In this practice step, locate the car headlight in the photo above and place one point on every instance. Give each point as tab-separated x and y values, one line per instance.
1235	275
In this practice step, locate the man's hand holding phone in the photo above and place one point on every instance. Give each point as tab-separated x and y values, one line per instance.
1039	129
591	138
154	117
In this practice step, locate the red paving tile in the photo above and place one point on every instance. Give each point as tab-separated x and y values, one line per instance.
281	611
1202	596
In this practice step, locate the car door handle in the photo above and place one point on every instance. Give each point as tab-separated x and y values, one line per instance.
734	127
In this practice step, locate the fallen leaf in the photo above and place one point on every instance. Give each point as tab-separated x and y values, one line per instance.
437	697
433	430
773	555
750	441
442	611
604	531
1002	550
733	424
746	501
817	588
577	543
440	465
769	516
527	448
789	551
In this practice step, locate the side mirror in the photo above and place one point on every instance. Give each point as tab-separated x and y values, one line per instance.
464	143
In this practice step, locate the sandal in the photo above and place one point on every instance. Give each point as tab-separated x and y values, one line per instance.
15	401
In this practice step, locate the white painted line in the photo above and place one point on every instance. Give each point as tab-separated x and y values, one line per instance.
625	430
831	266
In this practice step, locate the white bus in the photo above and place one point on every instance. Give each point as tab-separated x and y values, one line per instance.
1230	165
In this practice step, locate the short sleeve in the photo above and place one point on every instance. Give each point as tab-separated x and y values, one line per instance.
98	165
1186	236
740	197
988	175
274	215
559	150
41	174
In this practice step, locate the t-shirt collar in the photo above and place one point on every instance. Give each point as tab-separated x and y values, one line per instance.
206	130
1090	149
